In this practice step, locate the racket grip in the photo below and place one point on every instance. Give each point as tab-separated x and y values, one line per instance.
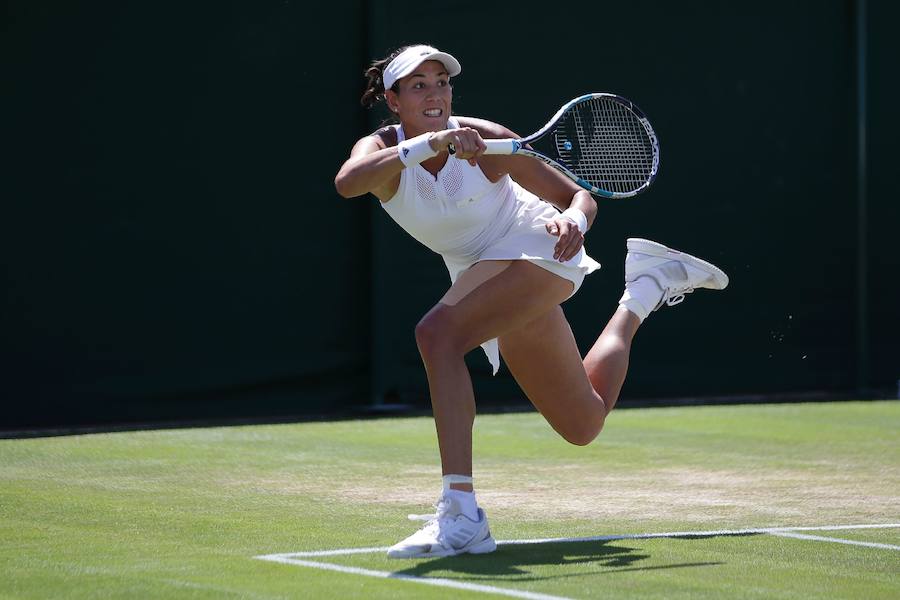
509	146
502	146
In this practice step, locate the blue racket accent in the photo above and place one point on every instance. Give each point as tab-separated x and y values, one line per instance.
601	141
592	188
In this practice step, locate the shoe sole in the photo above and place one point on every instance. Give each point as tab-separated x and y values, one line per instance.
482	547
656	249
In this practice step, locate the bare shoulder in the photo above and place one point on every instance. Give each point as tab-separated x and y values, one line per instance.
487	129
384	137
377	140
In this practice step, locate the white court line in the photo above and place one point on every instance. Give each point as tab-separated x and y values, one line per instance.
460	585
338	552
609	538
820	538
682	534
294	558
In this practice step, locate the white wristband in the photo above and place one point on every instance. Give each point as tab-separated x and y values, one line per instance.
415	150
577	216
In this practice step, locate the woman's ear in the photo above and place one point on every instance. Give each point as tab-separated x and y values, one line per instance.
390	98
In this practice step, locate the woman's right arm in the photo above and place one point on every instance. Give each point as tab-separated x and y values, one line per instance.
375	165
372	167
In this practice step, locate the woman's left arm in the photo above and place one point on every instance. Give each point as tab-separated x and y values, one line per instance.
549	184
543	181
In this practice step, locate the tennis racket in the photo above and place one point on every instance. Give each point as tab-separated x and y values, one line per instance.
603	142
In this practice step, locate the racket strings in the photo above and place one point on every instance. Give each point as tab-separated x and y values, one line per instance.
607	145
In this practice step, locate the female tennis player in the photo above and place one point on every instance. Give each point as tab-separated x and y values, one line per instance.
511	233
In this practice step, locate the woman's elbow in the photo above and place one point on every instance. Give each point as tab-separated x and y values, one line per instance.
340	187
343	187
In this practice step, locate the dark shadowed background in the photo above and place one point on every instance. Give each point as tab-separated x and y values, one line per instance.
173	247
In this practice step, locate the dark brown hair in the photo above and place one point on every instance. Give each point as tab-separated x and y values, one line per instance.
374	79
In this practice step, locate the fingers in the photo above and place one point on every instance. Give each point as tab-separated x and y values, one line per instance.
570	241
465	143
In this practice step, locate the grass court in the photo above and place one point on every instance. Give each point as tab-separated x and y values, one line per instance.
764	502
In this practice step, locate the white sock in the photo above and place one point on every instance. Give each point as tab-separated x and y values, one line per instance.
641	296
468	505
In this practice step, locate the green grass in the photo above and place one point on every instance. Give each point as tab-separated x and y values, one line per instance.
182	513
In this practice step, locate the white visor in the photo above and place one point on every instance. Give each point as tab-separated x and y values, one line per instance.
407	61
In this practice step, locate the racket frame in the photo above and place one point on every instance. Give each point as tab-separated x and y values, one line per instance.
519	146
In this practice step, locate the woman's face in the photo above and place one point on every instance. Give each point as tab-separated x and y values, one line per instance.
425	97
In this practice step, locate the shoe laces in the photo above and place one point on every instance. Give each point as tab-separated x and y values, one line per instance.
678	298
434	520
671	298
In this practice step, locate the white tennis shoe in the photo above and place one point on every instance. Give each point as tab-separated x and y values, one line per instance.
676	273
447	532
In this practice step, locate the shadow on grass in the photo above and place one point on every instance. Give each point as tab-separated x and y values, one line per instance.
513	561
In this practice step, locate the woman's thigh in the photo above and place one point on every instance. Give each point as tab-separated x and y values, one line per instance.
545	361
473	277
493	298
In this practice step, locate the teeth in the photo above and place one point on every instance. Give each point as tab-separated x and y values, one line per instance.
433	112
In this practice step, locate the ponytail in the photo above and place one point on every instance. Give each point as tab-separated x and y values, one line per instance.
375	80
374	86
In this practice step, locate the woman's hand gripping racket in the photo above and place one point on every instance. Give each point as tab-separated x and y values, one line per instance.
603	142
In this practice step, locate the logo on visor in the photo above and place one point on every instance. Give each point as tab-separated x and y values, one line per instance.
405	152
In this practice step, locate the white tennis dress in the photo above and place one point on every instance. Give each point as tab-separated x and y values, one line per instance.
465	218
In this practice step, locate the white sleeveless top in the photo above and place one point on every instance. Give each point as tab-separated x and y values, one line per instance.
465	218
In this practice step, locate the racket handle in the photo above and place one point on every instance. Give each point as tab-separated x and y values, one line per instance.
502	146
509	146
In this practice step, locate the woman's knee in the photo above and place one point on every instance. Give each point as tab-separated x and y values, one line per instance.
583	430
435	334
582	434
